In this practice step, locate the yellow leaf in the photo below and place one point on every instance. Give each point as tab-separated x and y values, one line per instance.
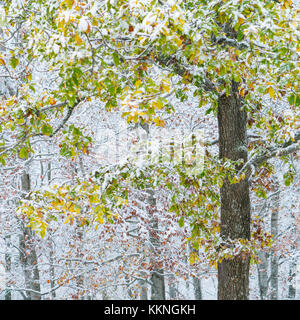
234	179
138	83
158	104
209	207
178	42
271	92
61	25
69	3
243	176
173	8
241	20
39	214
2	61
78	40
88	29
192	259
158	122
165	87
101	220
287	3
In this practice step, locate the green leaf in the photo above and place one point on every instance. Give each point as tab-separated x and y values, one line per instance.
116	58
47	130
14	62
23	153
292	99
181	222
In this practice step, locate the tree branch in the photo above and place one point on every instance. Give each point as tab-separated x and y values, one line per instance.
282	150
181	70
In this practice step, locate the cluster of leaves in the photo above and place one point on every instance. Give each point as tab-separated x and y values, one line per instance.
132	55
109	49
194	199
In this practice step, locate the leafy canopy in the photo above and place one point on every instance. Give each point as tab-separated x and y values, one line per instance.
133	56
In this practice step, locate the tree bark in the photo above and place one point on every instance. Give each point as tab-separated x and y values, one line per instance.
197	288
7	267
274	232
263	265
233	274
51	244
172	287
292	280
144	291
196	280
157	276
262	270
28	256
52	269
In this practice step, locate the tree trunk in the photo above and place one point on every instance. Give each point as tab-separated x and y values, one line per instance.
157	273
262	266
28	256
52	269
196	280
172	287
197	288
7	267
292	280
262	270
80	279
157	276
233	274
274	232
51	244
144	291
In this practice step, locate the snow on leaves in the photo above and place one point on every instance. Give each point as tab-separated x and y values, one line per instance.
135	56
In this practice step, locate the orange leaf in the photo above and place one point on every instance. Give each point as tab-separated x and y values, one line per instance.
52	101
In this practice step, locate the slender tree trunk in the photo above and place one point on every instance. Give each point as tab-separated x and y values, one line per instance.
157	273
233	274
197	288
196	280
28	256
157	277
172	287
51	244
262	270
105	295
274	232
52	270
292	280
263	266
80	278
293	262
28	260
144	291
7	268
